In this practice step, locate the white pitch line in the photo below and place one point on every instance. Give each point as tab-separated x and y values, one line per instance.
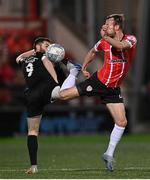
76	169
136	168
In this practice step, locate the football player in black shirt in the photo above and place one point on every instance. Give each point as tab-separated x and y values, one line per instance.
42	84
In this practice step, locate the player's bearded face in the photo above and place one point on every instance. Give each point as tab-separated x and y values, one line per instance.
44	46
110	27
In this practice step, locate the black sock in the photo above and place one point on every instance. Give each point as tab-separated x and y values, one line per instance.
32	144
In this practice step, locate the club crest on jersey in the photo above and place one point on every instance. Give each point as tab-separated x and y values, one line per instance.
89	88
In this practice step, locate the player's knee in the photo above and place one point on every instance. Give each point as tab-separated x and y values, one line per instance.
33	130
70	93
122	122
63	95
33	133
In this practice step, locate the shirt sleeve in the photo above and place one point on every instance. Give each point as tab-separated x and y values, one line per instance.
43	57
131	40
20	61
98	46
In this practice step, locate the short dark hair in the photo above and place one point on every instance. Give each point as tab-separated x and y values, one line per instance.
40	40
118	18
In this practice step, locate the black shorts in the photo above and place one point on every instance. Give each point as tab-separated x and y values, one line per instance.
94	87
38	97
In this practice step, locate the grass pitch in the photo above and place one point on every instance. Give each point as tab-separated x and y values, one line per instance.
76	157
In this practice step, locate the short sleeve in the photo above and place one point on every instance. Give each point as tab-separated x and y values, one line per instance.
131	40
98	45
43	57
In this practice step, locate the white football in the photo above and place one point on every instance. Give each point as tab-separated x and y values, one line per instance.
55	52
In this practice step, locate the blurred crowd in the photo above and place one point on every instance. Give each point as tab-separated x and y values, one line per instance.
11	78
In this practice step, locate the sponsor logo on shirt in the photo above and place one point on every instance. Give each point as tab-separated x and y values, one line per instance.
31	60
89	88
118	60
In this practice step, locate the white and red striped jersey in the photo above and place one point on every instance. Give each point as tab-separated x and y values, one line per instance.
116	61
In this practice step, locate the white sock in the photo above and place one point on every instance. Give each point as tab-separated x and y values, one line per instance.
115	137
69	82
73	70
34	168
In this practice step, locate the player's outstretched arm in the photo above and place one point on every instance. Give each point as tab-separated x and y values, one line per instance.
26	54
87	60
50	68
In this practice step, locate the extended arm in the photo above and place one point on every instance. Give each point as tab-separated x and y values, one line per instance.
87	60
50	68
21	57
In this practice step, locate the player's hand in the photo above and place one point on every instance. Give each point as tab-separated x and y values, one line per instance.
86	73
103	31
